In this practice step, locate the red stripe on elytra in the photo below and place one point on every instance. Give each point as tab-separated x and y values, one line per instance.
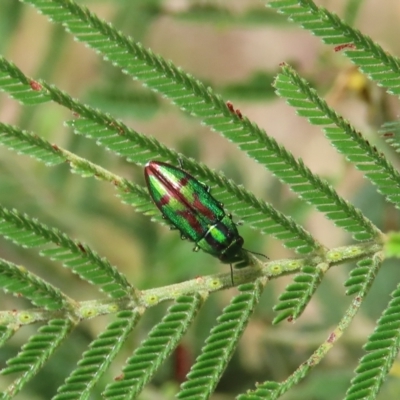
196	204
164	200
195	207
203	210
192	220
183	181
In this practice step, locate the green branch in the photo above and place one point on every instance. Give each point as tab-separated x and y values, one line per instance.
204	284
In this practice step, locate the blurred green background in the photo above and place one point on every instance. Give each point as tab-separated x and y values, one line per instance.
236	48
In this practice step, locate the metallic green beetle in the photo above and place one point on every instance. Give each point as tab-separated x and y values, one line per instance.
188	205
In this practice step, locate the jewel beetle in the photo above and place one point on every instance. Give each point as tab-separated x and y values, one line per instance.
188	205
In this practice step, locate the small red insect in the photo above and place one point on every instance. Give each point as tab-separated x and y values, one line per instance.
345	46
230	107
233	110
35	86
238	113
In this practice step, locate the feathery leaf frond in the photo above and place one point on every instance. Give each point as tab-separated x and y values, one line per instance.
19	281
390	132
220	345
266	391
18	86
253	211
98	358
296	296
372	59
276	224
341	212
382	349
193	97
196	99
343	136
35	353
5	334
29	144
138	148
153	351
360	276
80	258
273	390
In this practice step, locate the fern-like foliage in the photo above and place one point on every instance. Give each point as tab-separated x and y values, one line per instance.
255	212
360	276
29	144
138	148
61	313
21	88
5	333
17	280
191	96
297	295
98	358
390	132
206	372
148	357
372	59
345	139
27	232
359	151
382	349
35	353
272	390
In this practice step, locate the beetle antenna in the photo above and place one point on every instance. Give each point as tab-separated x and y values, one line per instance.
232	275
257	254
